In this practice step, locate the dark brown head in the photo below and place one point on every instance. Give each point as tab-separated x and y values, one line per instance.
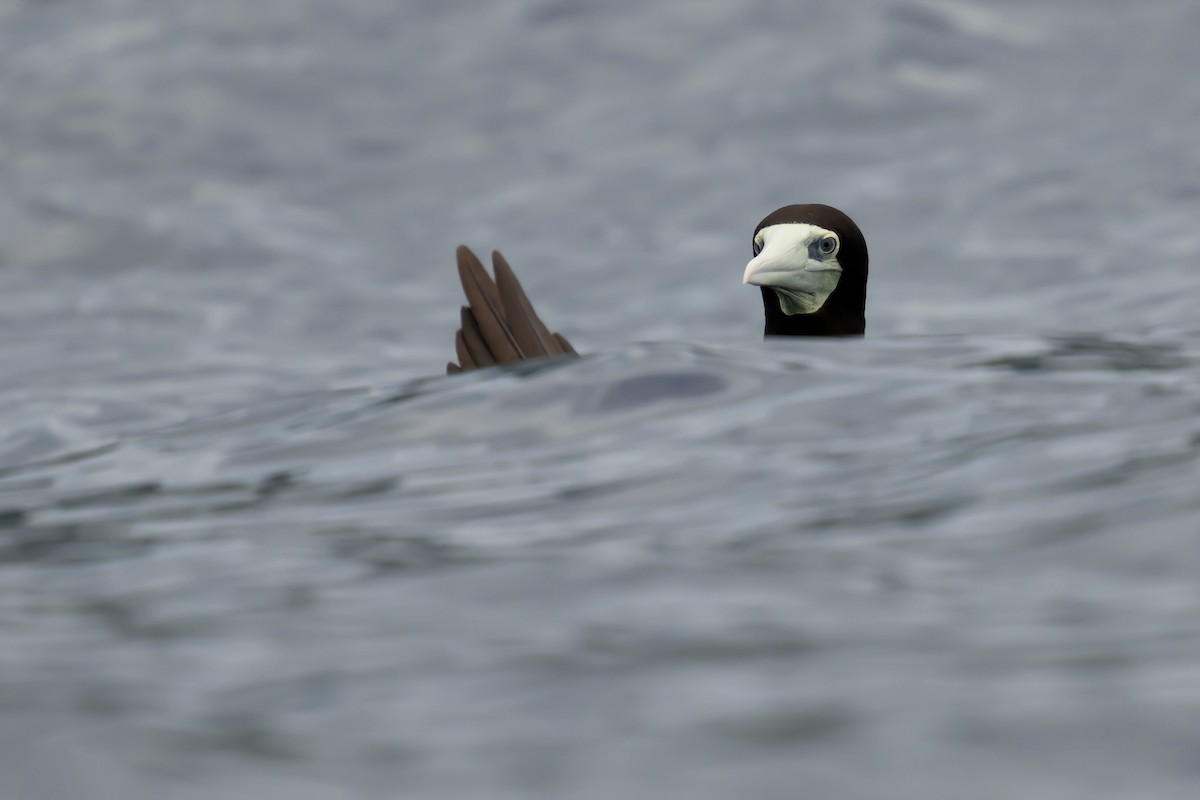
811	262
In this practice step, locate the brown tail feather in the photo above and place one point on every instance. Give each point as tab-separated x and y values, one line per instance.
499	325
462	351
564	344
477	348
531	333
484	300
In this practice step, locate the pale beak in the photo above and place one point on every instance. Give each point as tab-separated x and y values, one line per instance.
802	283
784	262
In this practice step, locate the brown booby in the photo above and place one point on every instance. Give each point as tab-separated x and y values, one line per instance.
810	260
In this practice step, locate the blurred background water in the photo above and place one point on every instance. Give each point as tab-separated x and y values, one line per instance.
252	542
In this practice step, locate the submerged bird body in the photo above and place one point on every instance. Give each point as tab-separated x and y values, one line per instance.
809	260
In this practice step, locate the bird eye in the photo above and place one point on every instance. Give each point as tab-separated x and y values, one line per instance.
758	245
828	246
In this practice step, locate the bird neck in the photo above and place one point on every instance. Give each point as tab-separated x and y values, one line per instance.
832	319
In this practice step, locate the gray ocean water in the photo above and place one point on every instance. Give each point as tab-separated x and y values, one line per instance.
254	544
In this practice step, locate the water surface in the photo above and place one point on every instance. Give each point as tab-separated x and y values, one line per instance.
252	542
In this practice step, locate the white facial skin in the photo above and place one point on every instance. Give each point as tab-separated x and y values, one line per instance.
799	263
